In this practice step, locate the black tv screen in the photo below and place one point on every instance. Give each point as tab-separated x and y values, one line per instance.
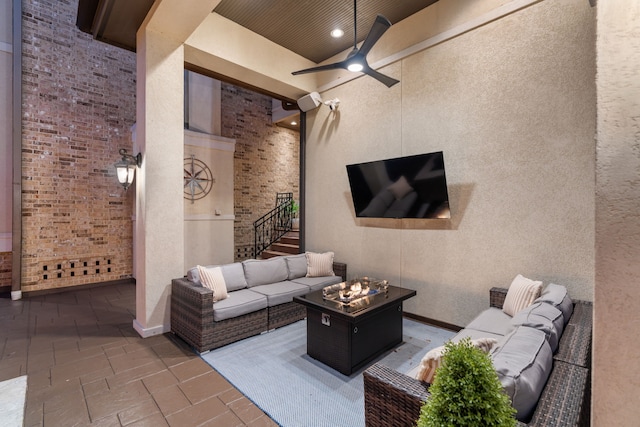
402	187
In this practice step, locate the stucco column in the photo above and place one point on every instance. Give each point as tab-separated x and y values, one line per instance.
159	230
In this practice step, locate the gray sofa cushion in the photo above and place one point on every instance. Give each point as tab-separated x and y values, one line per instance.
475	334
492	320
233	276
238	302
523	361
544	317
297	266
281	292
265	271
557	296
316	283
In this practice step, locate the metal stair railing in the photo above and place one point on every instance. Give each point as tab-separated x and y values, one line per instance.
274	224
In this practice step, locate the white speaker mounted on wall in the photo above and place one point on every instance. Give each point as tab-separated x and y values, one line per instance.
309	102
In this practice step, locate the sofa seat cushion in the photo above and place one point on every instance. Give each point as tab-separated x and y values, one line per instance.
557	296
544	317
265	271
281	292
238	303
233	276
475	334
317	283
492	320
523	361
297	265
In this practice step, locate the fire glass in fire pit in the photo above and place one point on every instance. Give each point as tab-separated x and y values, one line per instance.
354	290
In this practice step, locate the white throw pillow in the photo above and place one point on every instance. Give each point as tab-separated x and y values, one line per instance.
521	294
433	359
319	265
213	279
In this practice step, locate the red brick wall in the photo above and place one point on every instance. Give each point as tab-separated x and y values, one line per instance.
78	108
266	160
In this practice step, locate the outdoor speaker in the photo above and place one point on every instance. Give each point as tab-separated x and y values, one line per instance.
309	102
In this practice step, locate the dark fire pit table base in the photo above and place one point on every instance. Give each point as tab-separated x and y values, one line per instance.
347	338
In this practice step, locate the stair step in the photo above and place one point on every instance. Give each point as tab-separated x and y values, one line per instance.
266	254
285	247
289	240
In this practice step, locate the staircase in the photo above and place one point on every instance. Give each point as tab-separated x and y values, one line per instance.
286	245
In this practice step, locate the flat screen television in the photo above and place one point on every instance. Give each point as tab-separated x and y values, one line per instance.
402	187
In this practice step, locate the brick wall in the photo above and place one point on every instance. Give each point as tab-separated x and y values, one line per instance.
5	269
266	160
78	107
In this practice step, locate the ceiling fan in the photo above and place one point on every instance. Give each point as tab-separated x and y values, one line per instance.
357	59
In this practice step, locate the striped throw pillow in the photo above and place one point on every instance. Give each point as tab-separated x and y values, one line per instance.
319	265
521	294
213	279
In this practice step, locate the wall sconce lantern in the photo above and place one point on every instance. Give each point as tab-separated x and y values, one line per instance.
126	167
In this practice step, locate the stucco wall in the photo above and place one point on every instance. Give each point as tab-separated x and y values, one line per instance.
512	105
616	377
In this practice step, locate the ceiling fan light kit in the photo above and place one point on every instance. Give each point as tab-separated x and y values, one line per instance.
357	59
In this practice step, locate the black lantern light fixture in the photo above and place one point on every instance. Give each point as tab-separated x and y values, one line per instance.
126	167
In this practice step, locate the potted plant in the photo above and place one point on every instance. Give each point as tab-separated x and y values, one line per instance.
466	391
295	221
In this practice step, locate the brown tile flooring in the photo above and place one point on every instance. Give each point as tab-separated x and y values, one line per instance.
86	365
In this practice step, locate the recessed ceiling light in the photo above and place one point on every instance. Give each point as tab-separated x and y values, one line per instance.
294	123
337	33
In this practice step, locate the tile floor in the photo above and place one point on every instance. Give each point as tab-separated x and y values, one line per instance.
86	365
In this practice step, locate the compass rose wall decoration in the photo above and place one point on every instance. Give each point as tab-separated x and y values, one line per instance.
198	179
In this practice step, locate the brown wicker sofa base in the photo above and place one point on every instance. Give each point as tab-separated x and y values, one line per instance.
394	399
192	316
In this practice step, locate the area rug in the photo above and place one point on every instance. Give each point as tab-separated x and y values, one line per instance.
274	371
13	394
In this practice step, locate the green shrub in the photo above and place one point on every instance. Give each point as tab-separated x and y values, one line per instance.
466	391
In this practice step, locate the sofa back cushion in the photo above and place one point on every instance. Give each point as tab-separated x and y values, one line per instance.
265	271
297	266
523	362
544	317
557	296
233	276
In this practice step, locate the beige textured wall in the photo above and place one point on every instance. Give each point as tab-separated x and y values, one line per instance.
512	105
616	377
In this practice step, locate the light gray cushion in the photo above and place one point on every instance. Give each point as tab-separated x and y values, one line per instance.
557	296
239	302
233	276
544	317
281	292
265	271
316	283
492	320
297	265
475	334
523	361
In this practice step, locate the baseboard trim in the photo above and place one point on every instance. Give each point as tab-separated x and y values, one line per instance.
433	322
150	332
26	294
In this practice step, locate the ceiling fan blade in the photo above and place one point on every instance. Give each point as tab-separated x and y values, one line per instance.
379	27
333	66
388	81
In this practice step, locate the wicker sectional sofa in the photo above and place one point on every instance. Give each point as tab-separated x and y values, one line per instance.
260	299
394	399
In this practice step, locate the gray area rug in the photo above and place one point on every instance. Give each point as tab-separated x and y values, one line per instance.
274	371
13	394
